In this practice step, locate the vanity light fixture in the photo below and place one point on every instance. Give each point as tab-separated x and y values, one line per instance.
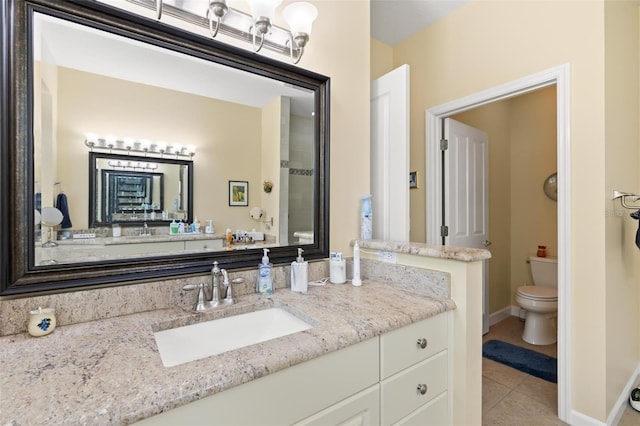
143	146
257	28
135	165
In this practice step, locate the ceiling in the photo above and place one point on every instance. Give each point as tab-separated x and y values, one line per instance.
394	20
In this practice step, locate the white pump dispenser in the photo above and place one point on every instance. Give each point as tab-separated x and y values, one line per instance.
265	276
299	274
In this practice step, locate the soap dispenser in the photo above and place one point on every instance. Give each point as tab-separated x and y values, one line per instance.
265	276
299	274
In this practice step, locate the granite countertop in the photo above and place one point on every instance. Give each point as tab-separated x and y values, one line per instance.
110	372
463	254
134	239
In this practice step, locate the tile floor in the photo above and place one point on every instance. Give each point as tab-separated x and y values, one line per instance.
511	397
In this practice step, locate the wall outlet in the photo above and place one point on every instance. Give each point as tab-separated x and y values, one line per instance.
387	256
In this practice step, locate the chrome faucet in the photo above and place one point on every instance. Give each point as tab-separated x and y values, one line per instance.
221	293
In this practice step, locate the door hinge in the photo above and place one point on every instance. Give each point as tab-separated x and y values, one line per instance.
444	144
444	231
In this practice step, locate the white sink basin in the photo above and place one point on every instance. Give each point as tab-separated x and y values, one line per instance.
196	341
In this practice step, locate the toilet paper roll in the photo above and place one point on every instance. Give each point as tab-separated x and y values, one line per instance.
338	271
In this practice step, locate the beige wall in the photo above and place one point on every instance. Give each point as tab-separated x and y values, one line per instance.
534	217
522	153
348	65
95	104
622	147
381	59
484	44
493	119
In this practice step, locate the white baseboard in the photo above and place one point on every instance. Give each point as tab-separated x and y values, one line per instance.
582	420
616	412
502	314
618	409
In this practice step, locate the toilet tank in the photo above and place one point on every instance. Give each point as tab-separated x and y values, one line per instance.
544	271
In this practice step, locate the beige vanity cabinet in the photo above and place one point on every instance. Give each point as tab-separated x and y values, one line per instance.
129	249
202	245
414	372
284	397
400	377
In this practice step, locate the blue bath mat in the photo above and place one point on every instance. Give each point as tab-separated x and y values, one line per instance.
523	359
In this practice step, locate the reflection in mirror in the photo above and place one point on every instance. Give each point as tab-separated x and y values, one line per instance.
78	68
244	127
130	189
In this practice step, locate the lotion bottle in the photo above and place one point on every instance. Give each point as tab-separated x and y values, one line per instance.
299	274
265	275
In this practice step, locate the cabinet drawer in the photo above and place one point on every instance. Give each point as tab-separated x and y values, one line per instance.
400	395
400	349
203	244
362	409
435	413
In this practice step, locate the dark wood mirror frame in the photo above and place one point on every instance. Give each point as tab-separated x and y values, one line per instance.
19	274
95	181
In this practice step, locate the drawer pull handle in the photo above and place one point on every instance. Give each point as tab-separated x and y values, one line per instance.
422	389
422	343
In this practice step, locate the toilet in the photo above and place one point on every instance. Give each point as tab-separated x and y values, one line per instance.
540	301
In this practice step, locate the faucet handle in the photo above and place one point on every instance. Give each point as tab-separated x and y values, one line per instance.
200	304
229	299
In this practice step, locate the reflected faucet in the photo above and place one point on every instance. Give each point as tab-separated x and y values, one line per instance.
145	231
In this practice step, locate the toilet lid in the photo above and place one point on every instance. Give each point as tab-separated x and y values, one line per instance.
536	292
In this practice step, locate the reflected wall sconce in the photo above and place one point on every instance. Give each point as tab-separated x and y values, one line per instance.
257	28
141	146
134	165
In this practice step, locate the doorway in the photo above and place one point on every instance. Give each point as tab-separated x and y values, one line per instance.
558	76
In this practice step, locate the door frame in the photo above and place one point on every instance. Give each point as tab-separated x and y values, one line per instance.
559	76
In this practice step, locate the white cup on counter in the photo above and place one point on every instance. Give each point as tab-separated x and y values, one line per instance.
337	271
42	321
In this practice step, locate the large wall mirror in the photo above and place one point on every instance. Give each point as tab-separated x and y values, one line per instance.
100	105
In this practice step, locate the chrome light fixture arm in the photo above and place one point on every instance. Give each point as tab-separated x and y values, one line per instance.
217	8
300	40
260	27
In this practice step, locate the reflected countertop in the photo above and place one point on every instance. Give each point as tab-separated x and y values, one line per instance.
155	238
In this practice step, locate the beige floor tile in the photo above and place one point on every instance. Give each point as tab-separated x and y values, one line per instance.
492	393
519	409
630	417
502	374
510	330
541	390
526	400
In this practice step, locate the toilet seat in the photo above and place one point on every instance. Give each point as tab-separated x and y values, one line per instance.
538	293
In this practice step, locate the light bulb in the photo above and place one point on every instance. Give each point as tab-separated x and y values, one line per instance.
300	17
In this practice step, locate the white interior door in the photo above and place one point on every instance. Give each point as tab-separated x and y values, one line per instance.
466	194
390	155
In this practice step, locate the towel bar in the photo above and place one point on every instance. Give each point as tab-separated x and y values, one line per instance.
625	197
